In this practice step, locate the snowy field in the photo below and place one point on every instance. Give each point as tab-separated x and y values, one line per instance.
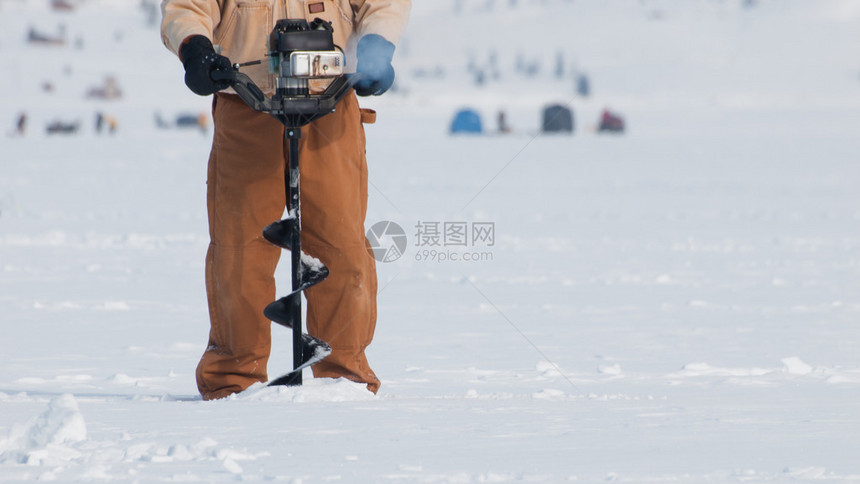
678	304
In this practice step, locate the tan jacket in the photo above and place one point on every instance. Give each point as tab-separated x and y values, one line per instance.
241	27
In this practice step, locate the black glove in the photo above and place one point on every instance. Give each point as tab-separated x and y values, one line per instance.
199	59
374	55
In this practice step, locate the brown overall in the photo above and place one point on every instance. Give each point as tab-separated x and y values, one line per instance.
245	193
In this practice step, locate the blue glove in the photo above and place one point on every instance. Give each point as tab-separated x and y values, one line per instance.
374	55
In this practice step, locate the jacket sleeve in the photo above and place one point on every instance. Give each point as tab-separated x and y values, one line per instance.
387	18
184	18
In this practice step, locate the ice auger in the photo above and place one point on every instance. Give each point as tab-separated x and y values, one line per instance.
298	51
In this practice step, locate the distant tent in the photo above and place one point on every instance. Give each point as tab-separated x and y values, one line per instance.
108	90
36	37
62	5
610	122
557	119
184	120
62	127
467	121
188	121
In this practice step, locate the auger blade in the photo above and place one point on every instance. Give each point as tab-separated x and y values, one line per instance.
278	233
279	311
313	351
313	272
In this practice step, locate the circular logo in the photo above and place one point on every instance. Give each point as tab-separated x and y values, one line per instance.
386	241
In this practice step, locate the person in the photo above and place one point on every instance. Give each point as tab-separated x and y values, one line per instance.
502	121
21	124
246	189
104	121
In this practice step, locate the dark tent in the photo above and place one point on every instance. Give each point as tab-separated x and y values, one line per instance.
467	121
187	121
557	119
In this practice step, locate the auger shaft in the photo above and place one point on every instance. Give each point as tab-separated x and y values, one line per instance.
292	183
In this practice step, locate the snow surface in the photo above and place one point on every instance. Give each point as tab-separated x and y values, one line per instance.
678	304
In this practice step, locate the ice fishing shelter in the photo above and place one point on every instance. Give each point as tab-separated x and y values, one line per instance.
467	121
557	119
611	123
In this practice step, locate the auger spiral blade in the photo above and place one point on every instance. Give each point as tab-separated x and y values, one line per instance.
311	275
313	351
278	233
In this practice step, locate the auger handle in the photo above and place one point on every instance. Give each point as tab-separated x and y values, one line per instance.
244	87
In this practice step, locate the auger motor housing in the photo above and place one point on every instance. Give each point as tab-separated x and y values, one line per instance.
299	51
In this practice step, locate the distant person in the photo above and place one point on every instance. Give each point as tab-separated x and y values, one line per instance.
20	124
105	122
504	128
160	122
583	85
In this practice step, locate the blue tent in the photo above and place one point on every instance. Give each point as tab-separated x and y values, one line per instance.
467	121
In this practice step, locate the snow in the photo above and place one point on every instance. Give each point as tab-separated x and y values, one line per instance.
312	261
38	441
677	304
